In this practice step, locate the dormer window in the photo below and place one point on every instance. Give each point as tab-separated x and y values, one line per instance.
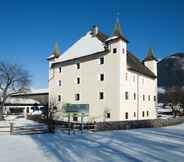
114	50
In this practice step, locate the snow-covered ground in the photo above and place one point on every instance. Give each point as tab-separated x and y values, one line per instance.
149	145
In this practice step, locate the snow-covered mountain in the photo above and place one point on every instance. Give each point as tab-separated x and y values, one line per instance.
171	71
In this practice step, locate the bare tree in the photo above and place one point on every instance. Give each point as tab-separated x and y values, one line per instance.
175	97
13	80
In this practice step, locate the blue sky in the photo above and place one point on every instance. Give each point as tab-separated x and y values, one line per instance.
28	29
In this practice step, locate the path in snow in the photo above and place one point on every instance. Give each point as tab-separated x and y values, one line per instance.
149	145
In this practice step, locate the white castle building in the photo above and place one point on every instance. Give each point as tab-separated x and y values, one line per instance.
99	71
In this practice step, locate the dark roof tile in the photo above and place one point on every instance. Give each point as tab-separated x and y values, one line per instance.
134	64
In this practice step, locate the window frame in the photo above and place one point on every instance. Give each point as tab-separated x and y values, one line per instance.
114	50
102	77
101	95
78	80
59	98
60	70
126	115
108	115
77	97
78	65
126	95
101	60
59	83
143	114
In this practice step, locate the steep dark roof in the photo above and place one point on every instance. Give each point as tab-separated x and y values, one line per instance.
118	32
101	36
150	56
135	65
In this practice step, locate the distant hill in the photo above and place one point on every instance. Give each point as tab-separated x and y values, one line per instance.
171	71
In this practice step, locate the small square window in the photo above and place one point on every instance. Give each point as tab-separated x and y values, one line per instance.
126	95
126	115
78	65
75	118
101	95
101	77
59	69
78	80
102	60
114	50
108	115
59	97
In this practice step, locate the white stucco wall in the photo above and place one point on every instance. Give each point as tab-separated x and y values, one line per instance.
113	87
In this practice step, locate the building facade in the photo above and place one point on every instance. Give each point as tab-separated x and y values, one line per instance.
99	71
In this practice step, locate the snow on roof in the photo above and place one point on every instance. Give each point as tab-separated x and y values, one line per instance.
111	38
14	100
87	45
35	91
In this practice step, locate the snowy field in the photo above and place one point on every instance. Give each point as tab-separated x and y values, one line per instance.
149	145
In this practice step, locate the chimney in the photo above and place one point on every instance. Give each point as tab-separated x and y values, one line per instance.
94	30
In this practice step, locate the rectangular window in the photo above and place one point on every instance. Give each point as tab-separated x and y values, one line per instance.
154	98
143	114
148	97
123	50
108	115
101	60
134	96
134	114
126	76
59	97
75	118
59	69
59	82
78	65
101	95
126	95
143	97
78	80
101	77
114	50
77	97
147	113
126	115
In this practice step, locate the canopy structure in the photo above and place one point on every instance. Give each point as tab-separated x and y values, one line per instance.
76	108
